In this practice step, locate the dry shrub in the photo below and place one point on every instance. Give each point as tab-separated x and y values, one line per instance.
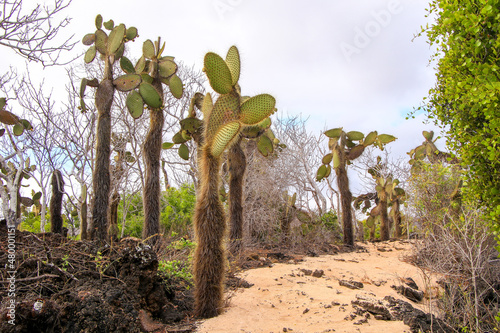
462	250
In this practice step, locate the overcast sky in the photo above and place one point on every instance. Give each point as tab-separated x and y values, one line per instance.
339	63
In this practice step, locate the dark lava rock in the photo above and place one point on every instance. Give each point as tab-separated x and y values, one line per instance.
351	284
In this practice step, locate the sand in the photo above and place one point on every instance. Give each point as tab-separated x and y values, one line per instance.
284	299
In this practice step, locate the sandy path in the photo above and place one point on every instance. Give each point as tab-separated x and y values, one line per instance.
284	299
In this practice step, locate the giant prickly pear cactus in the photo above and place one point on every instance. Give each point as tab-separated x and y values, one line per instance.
429	150
223	121
344	150
56	221
111	48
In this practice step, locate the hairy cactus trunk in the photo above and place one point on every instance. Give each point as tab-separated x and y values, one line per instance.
384	219
101	175
210	225
152	191
237	165
83	219
397	219
345	199
113	217
56	221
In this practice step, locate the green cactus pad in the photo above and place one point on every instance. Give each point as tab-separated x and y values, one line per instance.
135	104
184	152
265	145
109	25
224	136
178	138
334	133
370	138
185	135
18	129
115	39
3	101
218	73
386	138
176	86
98	21
428	135
321	173
150	95
120	51
191	125
83	86
126	65
233	63
83	194
257	108
147	78
127	82
140	65
419	152
207	106
101	41
370	222
83	107
88	39
327	158
225	110
167	145
131	33
90	55
8	118
328	171
148	49
335	159
355	152
355	135
167	68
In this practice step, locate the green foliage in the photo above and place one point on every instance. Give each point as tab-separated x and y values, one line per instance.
466	97
176	269
330	220
176	216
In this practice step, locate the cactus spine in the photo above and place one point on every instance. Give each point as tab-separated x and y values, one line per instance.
223	123
56	221
344	150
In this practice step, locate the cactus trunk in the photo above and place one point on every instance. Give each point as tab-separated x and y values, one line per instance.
56	221
210	225
345	198
83	219
101	175
152	154
384	219
398	231
113	217
237	166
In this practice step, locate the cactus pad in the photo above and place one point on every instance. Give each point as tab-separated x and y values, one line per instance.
428	135
386	138
327	158
178	138
355	135
257	108
223	137
336	159
150	95
207	106
83	86
115	39
126	65
8	118
183	152
218	73
334	133
90	55
167	68
3	101
370	138
101	41
265	145
176	87
321	173
148	49
140	65
167	145
233	62
109	25
127	82
18	129
98	21
191	125
131	33
88	39
135	104
225	110
355	152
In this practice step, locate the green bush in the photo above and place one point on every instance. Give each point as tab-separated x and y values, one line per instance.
177	209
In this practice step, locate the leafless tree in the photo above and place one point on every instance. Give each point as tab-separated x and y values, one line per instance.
31	32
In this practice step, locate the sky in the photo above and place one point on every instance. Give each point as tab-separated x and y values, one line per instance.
352	64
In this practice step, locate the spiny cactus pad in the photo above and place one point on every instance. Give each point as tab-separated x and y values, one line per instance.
90	55
207	106
176	87
233	62
355	152
131	33
225	110
98	21
88	39
148	49
224	136
355	135
150	95
101	41
370	138
167	68
8	118
126	65
218	73
109	24
115	39
327	158
265	145
257	108
183	152
127	82
135	104
334	133
386	138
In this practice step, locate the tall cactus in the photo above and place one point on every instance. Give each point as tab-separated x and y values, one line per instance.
56	221
344	150
111	48
223	122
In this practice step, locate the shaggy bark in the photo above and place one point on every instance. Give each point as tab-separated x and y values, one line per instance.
237	165
345	198
56	221
384	219
210	225
398	231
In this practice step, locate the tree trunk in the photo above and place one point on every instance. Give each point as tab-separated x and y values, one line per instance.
398	230
56	221
152	191
345	198
237	165
210	225
384	219
113	217
101	176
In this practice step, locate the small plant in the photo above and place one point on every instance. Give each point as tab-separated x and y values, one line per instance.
176	269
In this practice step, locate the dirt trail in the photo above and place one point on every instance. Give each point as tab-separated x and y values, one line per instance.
286	298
